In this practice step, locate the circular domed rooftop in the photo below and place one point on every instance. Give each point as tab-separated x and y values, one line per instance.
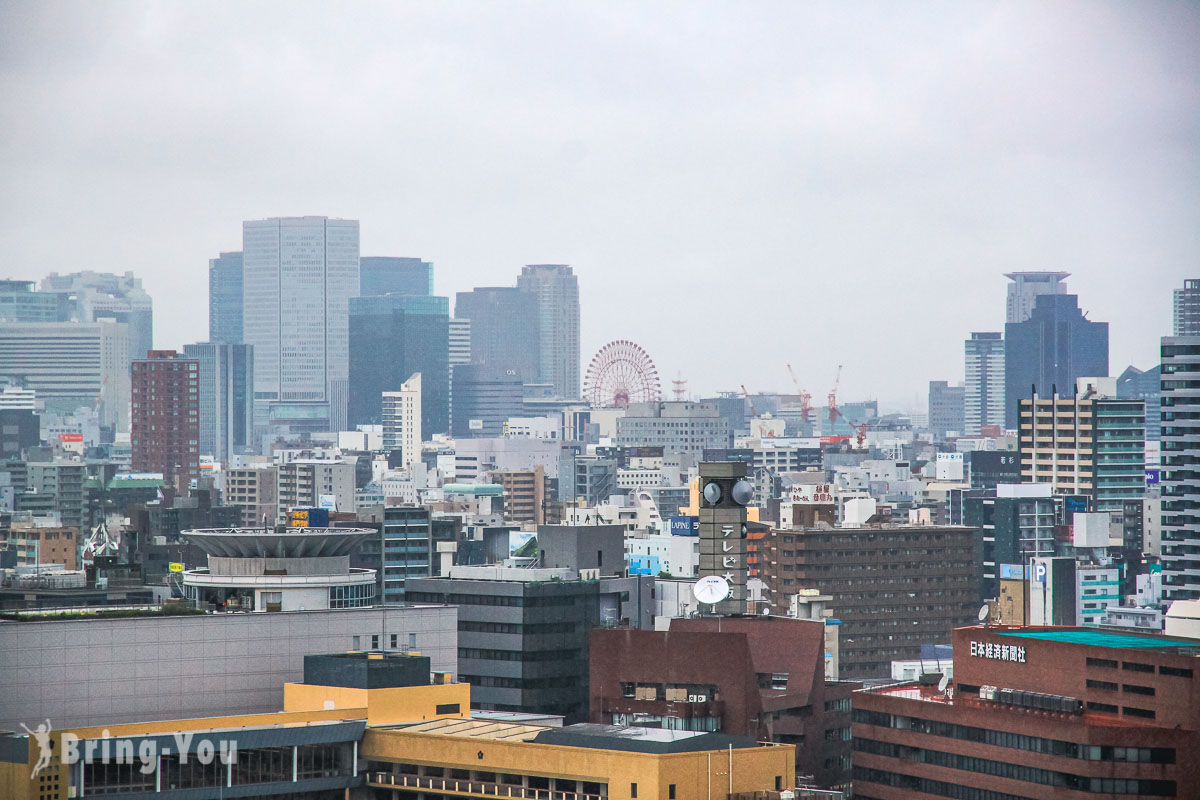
268	543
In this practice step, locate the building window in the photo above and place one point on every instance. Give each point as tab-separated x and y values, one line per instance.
670	791
633	790
375	641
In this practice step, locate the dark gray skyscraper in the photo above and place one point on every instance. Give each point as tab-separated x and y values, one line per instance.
226	398
390	275
1187	309
225	298
504	329
484	398
1050	350
392	337
945	409
557	292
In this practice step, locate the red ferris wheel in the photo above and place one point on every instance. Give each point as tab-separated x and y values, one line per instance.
620	374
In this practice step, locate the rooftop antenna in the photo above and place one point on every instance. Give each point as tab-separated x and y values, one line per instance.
943	683
984	613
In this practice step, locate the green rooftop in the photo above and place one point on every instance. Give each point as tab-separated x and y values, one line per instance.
1098	638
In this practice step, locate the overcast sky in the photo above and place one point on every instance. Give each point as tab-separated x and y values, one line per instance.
737	185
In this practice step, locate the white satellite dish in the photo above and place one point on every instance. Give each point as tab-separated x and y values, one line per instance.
983	612
711	589
943	683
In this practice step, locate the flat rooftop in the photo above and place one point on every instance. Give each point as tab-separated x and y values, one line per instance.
598	737
1114	639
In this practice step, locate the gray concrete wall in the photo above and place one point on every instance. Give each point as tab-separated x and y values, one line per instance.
104	671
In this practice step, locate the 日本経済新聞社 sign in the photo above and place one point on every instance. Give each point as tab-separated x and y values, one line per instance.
998	652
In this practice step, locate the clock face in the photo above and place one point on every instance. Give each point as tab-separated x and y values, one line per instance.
712	493
711	589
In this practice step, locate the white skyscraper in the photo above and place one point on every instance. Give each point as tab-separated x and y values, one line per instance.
402	420
1025	288
983	400
299	274
557	292
1180	473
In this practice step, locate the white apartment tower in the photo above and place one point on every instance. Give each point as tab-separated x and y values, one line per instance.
1180	471
983	399
1025	288
557	292
299	274
402	420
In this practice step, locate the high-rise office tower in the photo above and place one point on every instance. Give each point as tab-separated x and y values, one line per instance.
402	421
225	298
504	329
484	399
1187	309
95	296
460	341
20	303
983	398
1051	350
557	292
226	398
1025	289
390	275
1181	467
71	365
165	427
391	337
945	409
1144	385
299	275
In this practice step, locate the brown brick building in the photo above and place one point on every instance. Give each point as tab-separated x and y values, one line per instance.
165	417
744	676
893	588
1047	712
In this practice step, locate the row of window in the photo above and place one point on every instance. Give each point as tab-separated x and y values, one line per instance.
958	792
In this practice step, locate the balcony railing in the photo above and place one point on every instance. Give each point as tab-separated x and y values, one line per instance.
475	788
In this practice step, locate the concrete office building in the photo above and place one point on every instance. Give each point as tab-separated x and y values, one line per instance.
391	338
202	665
1015	526
505	333
761	677
226	398
60	486
526	493
675	426
1180	530
946	409
402	549
95	296
523	637
1186	309
402	421
225	298
254	490
893	588
310	483
299	275
557	291
484	398
71	365
165	429
1051	350
1039	713
983	395
19	302
379	275
1025	289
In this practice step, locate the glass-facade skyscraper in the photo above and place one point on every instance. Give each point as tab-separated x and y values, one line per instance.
1049	351
983	396
557	291
390	275
299	274
225	298
504	330
226	398
392	337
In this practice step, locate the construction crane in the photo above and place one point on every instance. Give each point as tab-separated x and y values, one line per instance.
753	410
833	406
805	397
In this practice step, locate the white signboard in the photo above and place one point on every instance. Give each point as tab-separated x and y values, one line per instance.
812	493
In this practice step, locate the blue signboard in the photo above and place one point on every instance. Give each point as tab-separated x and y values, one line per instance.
685	526
1012	572
1152	476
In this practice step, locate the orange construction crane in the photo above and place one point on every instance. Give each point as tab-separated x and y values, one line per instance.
753	410
833	406
805	397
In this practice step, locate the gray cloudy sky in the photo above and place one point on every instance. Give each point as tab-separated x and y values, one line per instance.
738	185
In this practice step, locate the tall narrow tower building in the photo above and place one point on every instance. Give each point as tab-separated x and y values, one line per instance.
557	291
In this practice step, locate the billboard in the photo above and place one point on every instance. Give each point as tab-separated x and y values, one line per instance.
70	437
308	518
811	493
685	526
1152	476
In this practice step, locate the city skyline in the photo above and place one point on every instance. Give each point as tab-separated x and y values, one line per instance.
851	177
